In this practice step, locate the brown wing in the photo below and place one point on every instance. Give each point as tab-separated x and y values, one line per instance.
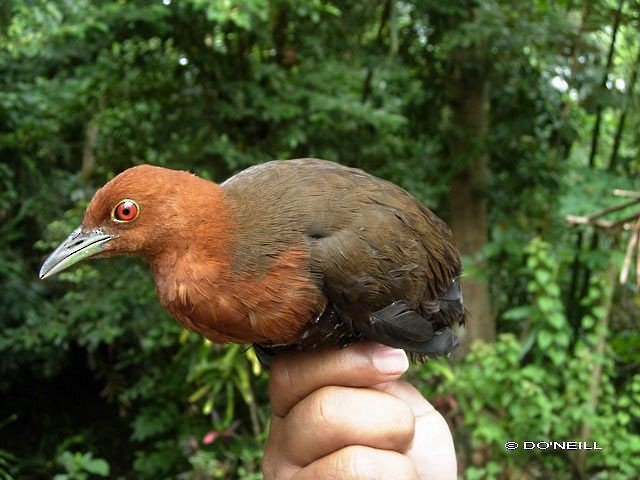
393	273
371	244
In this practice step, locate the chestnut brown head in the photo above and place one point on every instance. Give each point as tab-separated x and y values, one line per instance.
139	212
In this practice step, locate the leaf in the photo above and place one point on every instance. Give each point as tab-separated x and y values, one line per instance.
208	406
545	339
557	320
195	396
542	276
97	466
518	313
256	366
552	289
443	369
527	344
153	420
545	304
68	461
557	356
588	322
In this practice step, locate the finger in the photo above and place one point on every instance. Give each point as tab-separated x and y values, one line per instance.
333	417
274	461
432	451
294	375
408	394
357	462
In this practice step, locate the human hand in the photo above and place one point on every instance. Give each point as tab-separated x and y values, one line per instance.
344	414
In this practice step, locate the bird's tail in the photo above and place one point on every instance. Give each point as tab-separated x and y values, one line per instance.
424	334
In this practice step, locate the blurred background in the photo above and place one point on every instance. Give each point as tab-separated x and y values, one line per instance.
502	116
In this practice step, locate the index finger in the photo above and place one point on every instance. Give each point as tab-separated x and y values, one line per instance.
432	451
294	375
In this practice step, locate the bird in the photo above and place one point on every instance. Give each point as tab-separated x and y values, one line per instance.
287	254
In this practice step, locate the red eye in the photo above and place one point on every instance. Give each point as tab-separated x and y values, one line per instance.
125	211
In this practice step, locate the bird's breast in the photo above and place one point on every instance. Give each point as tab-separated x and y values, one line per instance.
208	297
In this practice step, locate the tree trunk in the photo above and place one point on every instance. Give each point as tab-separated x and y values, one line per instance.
386	14
467	195
559	145
88	166
612	48
574	295
613	161
88	157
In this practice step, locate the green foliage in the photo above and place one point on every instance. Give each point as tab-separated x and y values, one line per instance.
90	88
80	466
7	459
537	387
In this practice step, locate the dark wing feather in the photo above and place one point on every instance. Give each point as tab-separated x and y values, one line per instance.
400	323
394	277
370	243
443	343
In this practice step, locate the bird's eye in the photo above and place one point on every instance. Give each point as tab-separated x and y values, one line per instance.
125	211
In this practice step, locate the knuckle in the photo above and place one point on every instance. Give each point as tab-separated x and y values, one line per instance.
405	422
325	406
279	377
269	462
273	461
275	467
358	463
402	467
397	428
439	422
268	469
362	463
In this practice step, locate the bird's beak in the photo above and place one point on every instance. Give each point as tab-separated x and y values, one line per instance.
78	246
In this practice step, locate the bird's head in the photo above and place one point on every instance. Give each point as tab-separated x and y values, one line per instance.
142	211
